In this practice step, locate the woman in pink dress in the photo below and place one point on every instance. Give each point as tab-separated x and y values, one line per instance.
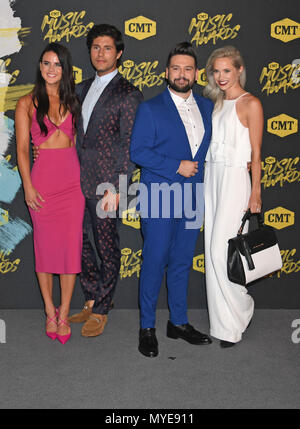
52	189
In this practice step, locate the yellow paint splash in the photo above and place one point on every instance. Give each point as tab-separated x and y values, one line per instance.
8	32
10	95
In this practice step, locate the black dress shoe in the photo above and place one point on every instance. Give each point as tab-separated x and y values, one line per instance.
148	344
187	333
226	344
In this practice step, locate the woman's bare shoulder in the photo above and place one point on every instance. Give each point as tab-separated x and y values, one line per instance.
25	102
250	101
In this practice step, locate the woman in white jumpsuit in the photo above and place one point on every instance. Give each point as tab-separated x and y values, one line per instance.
236	142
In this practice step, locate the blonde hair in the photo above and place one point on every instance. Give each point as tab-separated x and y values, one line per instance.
212	90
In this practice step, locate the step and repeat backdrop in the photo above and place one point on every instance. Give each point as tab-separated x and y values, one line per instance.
267	32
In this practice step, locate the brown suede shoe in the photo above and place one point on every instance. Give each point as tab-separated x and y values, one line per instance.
94	325
82	316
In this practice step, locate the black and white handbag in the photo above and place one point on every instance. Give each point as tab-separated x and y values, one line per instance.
253	255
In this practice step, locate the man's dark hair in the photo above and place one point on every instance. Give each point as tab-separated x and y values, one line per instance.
105	30
183	48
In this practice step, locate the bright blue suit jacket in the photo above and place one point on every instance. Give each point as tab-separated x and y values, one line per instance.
159	143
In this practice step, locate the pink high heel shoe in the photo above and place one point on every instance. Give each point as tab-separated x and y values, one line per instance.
53	319
63	338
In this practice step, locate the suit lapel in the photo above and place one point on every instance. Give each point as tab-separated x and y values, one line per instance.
81	96
206	122
85	89
101	100
176	119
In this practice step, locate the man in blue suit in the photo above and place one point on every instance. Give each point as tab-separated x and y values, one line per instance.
170	138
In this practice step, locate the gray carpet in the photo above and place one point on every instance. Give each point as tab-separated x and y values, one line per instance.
262	371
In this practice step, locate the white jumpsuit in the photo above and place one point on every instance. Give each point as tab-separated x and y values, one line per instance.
227	191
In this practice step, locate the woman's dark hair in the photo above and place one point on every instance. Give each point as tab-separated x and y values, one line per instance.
105	30
68	98
183	48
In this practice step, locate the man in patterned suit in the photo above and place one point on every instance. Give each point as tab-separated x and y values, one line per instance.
109	104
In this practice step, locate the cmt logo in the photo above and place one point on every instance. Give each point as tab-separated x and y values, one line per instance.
285	30
279	218
270	160
140	28
274	66
198	263
77	73
202	79
282	125
131	218
55	14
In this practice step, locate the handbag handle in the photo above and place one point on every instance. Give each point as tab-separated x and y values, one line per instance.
247	216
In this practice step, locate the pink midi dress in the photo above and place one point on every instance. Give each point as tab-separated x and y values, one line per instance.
57	226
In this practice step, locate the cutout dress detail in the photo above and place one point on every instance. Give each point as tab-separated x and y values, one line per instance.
57	226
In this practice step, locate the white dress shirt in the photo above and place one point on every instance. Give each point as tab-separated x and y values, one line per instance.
96	89
192	120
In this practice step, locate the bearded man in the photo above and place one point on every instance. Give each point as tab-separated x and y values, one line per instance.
169	141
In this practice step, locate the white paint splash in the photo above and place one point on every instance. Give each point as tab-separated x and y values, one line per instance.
9	27
12	231
9	44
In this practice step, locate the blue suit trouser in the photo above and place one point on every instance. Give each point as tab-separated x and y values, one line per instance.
167	245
